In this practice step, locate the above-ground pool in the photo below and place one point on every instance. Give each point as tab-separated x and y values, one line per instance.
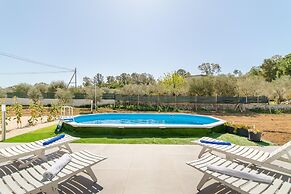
145	120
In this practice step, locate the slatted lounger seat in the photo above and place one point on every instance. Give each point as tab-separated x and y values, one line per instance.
29	180
248	154
278	186
36	149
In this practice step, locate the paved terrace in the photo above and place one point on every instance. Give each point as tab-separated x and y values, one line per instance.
140	169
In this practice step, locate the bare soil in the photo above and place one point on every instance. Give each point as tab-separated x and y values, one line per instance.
276	128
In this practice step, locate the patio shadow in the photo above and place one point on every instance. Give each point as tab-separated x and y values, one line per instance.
79	185
217	188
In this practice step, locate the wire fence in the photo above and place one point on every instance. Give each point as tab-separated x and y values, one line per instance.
189	99
146	99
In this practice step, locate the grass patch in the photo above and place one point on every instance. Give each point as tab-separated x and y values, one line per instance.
89	137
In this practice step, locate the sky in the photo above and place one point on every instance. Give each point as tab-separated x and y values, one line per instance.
153	36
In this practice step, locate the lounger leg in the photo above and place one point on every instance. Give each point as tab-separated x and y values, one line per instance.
204	179
203	150
91	174
68	148
53	190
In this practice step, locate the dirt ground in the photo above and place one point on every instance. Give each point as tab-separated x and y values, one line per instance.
276	127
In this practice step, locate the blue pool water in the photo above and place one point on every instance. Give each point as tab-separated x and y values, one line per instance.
145	119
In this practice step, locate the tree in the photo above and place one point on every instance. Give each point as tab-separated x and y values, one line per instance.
150	79
87	81
98	79
225	86
209	68
183	73
21	89
64	96
251	85
2	92
255	71
42	87
202	86
110	79
55	85
281	88
269	68
133	89
135	78
124	78
34	94
284	66
174	83
237	73
90	93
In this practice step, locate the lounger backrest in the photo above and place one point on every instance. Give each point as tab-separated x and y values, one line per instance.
279	152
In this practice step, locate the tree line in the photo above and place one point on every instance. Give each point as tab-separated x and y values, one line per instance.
272	79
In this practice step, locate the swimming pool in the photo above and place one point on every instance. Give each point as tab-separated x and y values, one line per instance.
145	120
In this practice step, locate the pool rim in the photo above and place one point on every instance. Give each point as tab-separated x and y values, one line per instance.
211	125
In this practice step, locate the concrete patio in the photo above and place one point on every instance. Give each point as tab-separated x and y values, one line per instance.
139	169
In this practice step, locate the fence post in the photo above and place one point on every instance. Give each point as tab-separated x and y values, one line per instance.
216	102
3	109
196	102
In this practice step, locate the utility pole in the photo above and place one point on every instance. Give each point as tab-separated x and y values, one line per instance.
73	76
95	96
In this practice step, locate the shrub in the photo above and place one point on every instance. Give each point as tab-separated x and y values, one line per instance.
17	108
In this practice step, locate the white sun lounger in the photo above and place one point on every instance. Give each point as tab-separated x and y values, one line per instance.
35	149
248	154
29	180
245	186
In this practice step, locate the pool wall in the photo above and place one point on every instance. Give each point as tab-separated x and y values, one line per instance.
142	131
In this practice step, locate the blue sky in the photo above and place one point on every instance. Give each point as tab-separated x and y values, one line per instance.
154	36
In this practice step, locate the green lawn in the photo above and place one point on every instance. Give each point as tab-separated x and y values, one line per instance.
88	137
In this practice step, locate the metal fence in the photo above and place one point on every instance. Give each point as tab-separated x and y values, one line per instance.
160	99
189	99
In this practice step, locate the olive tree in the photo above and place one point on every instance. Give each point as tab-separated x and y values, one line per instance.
133	89
251	85
202	86
281	88
90	93
225	85
34	94
64	96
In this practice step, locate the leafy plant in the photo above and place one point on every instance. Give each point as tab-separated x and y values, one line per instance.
33	114
54	111
40	111
17	108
